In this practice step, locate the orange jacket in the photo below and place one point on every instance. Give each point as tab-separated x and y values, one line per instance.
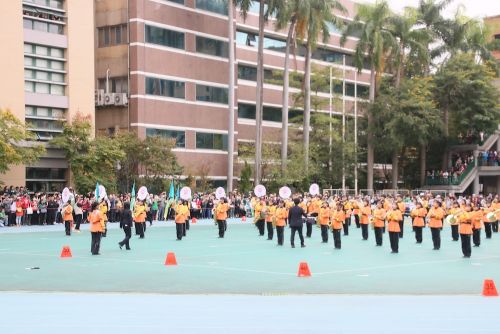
281	216
465	221
393	218
436	217
96	220
401	207
379	218
338	218
270	213
181	213
418	217
324	216
221	211
365	213
67	213
140	214
477	217
355	208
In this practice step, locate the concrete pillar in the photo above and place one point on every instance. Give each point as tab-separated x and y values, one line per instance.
498	184
498	144
475	186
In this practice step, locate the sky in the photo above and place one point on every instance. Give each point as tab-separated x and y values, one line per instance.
473	8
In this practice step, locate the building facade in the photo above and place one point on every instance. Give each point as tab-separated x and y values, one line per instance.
167	67
50	71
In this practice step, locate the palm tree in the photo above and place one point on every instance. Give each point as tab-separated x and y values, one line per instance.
375	41
410	40
313	25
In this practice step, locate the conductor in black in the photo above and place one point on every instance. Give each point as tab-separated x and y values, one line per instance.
296	222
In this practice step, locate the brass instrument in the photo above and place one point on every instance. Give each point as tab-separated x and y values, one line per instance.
492	215
452	219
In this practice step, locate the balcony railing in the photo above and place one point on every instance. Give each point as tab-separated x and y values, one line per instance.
450	180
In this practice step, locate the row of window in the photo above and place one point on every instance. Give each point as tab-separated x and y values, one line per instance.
279	45
47	3
45	51
176	39
215	6
45	173
177	89
112	35
272	114
35	111
43	26
44	186
43	88
116	84
43	75
204	140
44	63
44	125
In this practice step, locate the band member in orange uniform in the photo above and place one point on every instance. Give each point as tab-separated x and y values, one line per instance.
487	223
394	217
402	208
96	221
324	221
181	213
418	214
436	215
379	222
454	226
366	212
67	213
465	229
477	216
348	212
139	218
281	215
260	216
271	210
312	211
356	212
338	219
221	216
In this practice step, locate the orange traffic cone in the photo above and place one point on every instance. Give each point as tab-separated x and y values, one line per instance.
489	289
170	260
304	270
66	252
244	219
194	220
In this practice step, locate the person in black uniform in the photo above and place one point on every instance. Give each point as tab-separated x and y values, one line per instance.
126	223
295	215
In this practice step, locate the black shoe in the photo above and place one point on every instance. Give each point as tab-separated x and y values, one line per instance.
302	246
293	246
120	245
394	252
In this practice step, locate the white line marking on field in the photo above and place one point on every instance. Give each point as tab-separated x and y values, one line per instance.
238	269
363	275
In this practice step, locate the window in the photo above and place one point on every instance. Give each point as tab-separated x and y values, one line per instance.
44	63
215	6
43	88
45	173
211	47
178	136
211	94
211	141
177	1
246	72
112	35
164	37
45	125
271	114
47	3
116	85
33	112
43	26
251	39
44	51
162	87
43	186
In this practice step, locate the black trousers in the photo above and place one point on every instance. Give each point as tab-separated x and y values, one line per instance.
378	235
418	233
140	228
394	239
221	224
487	229
346	226
78	221
128	234
466	246
356	220
280	230
364	231
187	224
179	229
270	230
292	236
41	218
96	243
324	233
67	227
260	225
476	237
494	225
436	237
401	227
337	243
454	232
309	230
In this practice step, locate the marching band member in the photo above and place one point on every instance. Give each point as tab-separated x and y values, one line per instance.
436	215
418	214
465	221
379	222
477	217
281	216
126	223
402	208
394	217
103	206
487	223
312	210
338	219
348	211
260	215
355	211
221	216
366	212
296	221
454	225
496	207
181	213
324	221
96	221
67	213
139	218
271	209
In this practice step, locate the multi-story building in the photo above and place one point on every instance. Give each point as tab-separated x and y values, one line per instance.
47	65
171	58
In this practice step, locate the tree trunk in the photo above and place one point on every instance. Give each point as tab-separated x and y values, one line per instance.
369	146
444	164
230	134
395	167
307	106
423	163
284	112
260	96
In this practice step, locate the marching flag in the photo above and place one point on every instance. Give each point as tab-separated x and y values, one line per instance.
171	192
96	192
132	200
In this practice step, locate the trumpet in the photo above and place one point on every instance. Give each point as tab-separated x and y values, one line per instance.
492	215
452	219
